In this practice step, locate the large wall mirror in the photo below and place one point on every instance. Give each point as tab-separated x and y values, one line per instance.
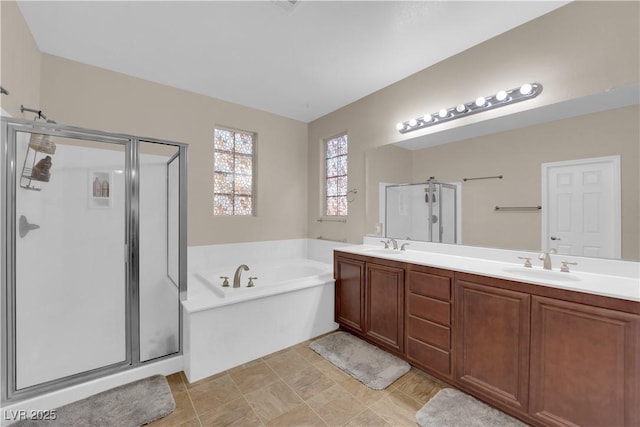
569	182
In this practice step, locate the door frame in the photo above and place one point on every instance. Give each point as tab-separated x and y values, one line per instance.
616	189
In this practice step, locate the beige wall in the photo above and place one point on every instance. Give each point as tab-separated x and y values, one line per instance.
19	62
388	164
580	49
95	98
517	155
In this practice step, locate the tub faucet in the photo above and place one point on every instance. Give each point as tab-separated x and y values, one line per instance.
236	277
546	259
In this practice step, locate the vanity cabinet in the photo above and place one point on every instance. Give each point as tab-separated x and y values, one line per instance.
429	319
546	355
493	342
585	364
370	300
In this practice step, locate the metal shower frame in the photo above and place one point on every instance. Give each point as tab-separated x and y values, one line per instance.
431	184
8	192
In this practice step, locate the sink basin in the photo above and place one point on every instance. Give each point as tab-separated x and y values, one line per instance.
381	251
536	273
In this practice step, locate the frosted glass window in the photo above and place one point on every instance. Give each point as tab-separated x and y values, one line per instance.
336	176
233	163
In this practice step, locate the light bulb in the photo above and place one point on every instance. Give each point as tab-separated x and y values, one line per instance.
526	89
480	101
413	122
461	108
427	118
443	113
400	126
501	96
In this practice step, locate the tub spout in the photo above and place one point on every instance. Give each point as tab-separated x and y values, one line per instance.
236	277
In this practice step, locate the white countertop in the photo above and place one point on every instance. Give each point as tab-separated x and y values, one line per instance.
624	286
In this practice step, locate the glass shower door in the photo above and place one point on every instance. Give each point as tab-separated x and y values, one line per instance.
159	271
70	276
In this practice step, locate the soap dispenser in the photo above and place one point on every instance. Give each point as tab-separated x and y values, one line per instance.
97	188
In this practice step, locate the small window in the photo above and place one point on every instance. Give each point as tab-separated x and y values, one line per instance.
336	176
233	160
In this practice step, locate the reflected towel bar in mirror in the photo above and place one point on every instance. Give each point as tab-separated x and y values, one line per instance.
518	208
483	177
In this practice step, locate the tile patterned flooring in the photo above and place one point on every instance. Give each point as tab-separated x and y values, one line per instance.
295	387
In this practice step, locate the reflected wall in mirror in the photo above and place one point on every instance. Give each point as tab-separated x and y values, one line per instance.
517	155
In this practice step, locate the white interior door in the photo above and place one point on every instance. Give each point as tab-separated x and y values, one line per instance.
581	207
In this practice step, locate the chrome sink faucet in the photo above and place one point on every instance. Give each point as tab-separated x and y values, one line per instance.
236	276
393	242
546	259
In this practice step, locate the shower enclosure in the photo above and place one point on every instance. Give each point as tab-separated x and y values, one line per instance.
93	254
427	211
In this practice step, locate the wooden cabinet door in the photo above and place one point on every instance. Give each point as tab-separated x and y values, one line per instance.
492	342
385	306
584	365
349	299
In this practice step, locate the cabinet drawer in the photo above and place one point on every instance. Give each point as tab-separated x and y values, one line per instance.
429	356
430	309
429	332
430	285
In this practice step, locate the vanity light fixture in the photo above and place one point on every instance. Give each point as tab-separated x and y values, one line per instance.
500	99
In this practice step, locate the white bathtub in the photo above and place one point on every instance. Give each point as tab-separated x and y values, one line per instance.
292	301
274	277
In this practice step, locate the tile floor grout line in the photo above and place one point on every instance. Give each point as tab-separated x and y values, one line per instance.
264	422
253	410
297	394
366	408
244	396
191	401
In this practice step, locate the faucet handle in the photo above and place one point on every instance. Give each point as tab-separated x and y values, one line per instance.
250	284
225	282
403	247
386	244
527	262
565	266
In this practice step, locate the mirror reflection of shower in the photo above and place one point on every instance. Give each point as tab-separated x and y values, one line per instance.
428	211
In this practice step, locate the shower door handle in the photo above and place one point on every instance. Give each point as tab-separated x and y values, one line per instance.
24	227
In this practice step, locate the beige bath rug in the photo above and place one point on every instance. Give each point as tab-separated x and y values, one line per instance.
130	405
370	365
453	408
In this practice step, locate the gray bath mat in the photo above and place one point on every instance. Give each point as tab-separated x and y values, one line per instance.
130	405
373	367
453	408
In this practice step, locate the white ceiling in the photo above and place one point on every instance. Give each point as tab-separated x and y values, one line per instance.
301	62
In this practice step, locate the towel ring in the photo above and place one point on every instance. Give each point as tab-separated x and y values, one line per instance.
354	192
